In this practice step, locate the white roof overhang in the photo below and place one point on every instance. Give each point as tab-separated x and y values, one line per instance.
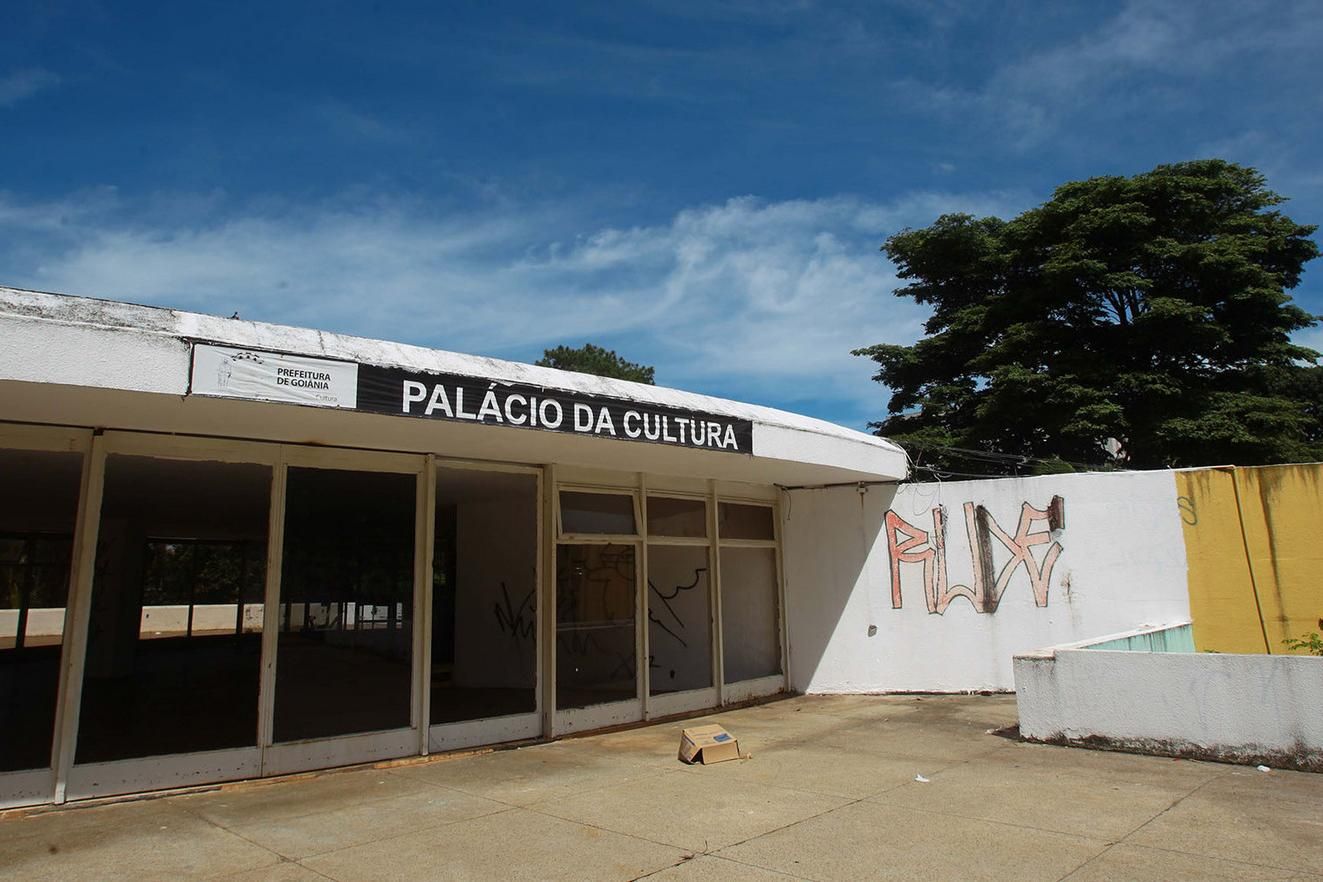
80	361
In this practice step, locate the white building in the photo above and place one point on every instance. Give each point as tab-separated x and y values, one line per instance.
231	549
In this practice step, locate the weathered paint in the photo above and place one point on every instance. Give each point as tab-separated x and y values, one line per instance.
1237	708
1178	638
1252	537
1226	618
74	355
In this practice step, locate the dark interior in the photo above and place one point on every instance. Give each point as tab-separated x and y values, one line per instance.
38	506
595	638
346	632
175	538
484	595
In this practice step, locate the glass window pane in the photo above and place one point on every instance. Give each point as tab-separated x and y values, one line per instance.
189	587
603	513
679	618
745	521
346	604
38	507
173	648
484	595
677	517
750	632
595	644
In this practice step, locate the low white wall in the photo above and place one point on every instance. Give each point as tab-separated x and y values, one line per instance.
49	622
42	622
1115	560
1246	708
173	618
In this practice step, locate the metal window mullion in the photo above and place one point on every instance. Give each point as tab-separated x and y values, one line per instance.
750	543
482	465
55	439
547	606
748	500
424	542
644	662
424	601
344	459
271	619
539	611
78	608
678	494
597	538
628	489
781	620
681	541
190	448
714	556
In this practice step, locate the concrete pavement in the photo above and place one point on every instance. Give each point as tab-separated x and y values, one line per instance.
828	792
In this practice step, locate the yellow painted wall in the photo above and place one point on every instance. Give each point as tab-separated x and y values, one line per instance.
1254	546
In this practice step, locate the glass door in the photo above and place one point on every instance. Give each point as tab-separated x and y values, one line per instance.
41	476
347	652
681	606
235	609
598	629
485	614
168	682
752	642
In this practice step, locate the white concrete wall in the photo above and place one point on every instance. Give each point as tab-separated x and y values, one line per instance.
1120	564
1247	707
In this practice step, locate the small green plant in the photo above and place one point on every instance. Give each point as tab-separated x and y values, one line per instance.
1311	643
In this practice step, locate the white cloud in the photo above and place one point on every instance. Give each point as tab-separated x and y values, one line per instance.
24	84
1133	62
760	300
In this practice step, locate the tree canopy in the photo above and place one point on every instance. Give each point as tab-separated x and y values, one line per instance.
1142	321
590	359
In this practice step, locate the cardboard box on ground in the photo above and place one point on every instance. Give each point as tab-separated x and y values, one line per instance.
707	745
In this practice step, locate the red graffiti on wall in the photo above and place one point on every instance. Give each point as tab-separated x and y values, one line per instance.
908	544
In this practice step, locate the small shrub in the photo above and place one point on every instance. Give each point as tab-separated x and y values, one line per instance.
1311	643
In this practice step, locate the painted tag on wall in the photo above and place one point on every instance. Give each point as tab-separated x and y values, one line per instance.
227	372
498	403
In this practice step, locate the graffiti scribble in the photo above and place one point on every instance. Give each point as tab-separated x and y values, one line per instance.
519	622
666	602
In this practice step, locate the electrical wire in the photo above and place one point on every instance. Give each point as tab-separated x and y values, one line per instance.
943	474
994	456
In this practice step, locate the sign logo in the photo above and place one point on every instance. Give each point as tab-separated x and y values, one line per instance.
226	372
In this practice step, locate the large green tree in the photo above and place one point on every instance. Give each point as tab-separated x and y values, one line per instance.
1148	315
590	359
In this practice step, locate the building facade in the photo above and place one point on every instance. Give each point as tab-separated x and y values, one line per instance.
230	550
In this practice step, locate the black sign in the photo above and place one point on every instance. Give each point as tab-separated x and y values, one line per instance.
496	403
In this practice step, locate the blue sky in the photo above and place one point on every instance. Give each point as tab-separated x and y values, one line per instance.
702	186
